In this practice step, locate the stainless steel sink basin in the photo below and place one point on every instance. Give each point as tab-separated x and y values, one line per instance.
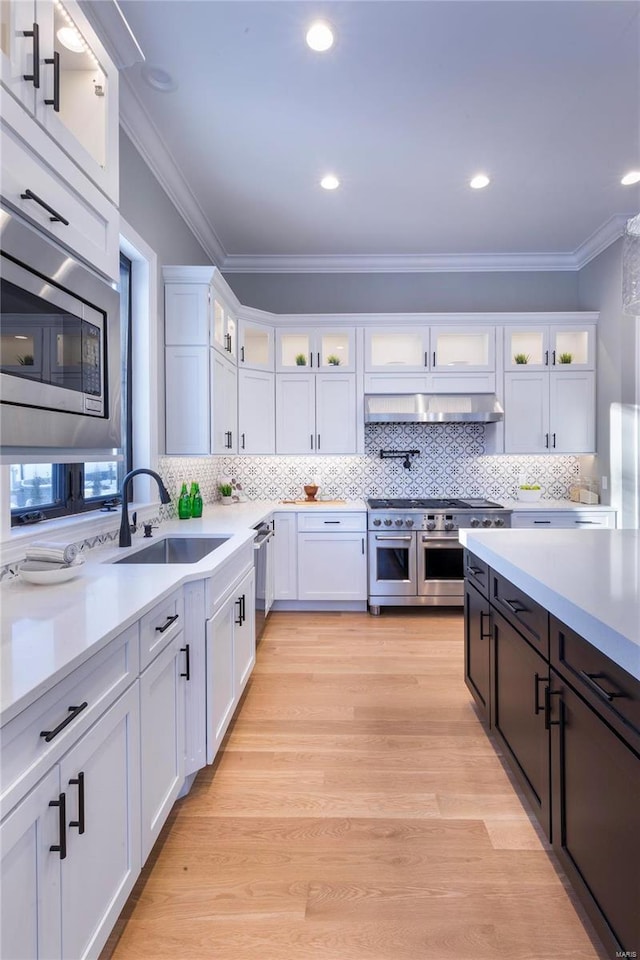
175	550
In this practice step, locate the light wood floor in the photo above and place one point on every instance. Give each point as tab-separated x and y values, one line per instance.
358	811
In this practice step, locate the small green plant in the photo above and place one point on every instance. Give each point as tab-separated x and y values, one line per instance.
565	357
301	360
225	489
26	360
521	358
333	360
529	486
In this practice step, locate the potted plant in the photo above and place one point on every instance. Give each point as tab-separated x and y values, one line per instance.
225	490
521	358
301	360
529	492
565	358
333	360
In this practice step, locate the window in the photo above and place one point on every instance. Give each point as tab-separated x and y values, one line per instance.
47	490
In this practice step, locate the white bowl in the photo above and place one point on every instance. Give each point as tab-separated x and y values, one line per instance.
36	571
529	495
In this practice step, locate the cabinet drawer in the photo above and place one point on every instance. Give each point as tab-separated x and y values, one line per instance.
93	229
331	522
613	692
476	571
26	754
159	626
522	612
562	519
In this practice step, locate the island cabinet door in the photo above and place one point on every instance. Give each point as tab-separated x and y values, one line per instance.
520	680
596	815
477	645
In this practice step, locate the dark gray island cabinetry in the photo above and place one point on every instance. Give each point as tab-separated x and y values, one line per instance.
567	718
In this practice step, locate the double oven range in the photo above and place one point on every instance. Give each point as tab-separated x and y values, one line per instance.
415	557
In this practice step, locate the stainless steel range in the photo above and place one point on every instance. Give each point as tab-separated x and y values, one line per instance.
415	557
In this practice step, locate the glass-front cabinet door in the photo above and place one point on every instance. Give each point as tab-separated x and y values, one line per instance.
572	348
400	350
306	350
225	329
549	348
255	345
462	349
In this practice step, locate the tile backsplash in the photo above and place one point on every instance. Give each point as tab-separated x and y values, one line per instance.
451	462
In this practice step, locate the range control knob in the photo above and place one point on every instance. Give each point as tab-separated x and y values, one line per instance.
499	522
387	522
431	524
474	522
449	525
486	522
409	523
398	523
377	522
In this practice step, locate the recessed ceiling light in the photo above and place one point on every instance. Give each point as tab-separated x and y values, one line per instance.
632	177
71	39
479	181
330	182
320	36
159	79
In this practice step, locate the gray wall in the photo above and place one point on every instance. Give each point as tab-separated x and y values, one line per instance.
405	292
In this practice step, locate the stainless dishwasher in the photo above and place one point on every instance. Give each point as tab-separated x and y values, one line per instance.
262	562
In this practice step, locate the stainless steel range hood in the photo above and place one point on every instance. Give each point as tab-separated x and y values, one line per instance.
432	408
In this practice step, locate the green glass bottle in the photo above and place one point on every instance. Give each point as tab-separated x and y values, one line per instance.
196	502
184	503
192	493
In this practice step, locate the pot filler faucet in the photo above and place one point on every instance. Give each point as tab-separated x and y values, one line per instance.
125	530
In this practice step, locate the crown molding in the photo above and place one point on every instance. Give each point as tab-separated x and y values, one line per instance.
607	234
137	125
436	263
108	20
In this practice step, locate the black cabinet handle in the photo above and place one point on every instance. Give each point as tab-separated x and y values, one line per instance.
483	634
73	713
537	679
168	623
331	521
554	440
434	358
554	358
55	216
592	680
426	359
318	361
311	435
515	607
363	546
79	782
55	102
546	440
242	440
318	447
187	664
475	570
61	847
241	610
311	358
548	722
242	354
546	358
541	521
35	76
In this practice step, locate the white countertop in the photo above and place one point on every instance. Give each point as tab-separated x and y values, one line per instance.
46	631
589	579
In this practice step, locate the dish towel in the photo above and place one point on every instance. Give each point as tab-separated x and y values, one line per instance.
52	552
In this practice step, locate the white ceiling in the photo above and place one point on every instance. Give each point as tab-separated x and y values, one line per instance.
413	99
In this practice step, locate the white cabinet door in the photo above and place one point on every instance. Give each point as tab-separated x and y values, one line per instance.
17	46
194	666
335	413
332	566
30	927
397	349
526	412
256	412
244	633
463	349
101	779
225	328
161	739
224	413
186	314
220	675
295	413
187	400
572	423
285	556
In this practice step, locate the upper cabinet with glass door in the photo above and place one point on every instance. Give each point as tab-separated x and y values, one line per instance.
463	349
396	349
54	64
225	329
255	345
316	351
559	347
437	349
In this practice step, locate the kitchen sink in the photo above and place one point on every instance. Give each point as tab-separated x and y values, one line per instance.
175	550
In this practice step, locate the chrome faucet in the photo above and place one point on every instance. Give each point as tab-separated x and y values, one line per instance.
125	530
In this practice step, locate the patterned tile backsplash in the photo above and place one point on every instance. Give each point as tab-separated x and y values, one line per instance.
452	462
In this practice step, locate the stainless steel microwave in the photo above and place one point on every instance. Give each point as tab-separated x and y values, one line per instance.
59	347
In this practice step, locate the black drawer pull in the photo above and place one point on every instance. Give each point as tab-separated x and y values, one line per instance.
79	781
592	680
542	521
73	713
187	664
55	216
168	623
55	102
515	607
475	570
35	76
61	847
331	521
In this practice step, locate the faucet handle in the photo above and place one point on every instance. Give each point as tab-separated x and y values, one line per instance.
133	526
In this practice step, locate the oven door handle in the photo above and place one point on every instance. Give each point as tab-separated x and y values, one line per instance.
407	539
446	542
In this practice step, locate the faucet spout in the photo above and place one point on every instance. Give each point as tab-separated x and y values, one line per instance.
124	539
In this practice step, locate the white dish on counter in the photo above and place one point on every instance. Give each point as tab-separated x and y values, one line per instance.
42	573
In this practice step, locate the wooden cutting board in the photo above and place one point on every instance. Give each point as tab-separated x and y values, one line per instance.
306	503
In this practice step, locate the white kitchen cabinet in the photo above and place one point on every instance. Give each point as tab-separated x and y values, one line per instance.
224	405
315	414
71	95
438	348
394	349
220	676
582	519
187	413
332	566
255	345
224	328
194	674
556	347
462	349
285	556
187	314
256	412
244	633
315	350
430	383
547	413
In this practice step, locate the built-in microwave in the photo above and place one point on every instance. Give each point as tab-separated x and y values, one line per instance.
59	346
